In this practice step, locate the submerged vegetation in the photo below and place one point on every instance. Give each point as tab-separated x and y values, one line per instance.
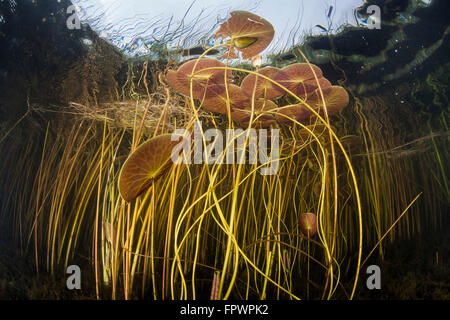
104	193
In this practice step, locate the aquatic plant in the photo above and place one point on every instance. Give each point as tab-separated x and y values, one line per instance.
335	99
299	78
252	84
202	73
222	98
307	223
250	34
248	109
262	109
218	231
147	163
297	112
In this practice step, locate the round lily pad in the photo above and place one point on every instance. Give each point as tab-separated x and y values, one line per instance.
146	164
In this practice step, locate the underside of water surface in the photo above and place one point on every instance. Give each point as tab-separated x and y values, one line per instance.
356	116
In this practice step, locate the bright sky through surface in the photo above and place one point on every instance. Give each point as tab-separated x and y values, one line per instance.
184	22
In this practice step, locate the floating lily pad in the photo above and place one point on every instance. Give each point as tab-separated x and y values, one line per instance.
263	88
201	77
313	84
336	99
172	80
250	34
217	98
298	112
146	164
299	79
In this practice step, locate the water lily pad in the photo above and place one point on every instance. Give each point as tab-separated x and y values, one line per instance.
217	98
336	99
146	164
250	34
263	87
172	80
299	79
298	112
201	77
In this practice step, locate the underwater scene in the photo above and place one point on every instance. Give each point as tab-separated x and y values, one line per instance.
224	150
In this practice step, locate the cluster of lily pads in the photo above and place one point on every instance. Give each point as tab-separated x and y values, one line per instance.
209	81
258	98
